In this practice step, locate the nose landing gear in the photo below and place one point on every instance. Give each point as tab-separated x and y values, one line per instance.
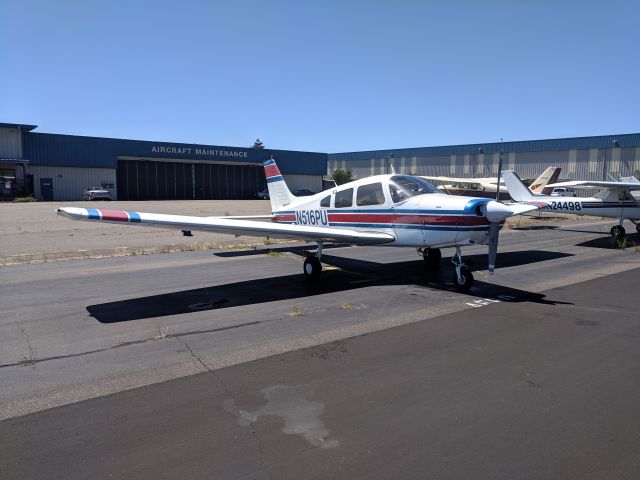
462	278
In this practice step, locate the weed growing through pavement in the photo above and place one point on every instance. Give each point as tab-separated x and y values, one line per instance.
274	253
296	312
622	242
32	358
162	333
346	306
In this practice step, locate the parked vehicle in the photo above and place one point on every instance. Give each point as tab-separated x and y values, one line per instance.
96	193
303	193
563	192
264	194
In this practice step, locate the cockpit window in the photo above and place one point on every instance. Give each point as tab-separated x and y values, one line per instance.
402	187
371	194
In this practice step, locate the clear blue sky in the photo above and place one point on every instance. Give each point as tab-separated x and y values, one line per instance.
322	76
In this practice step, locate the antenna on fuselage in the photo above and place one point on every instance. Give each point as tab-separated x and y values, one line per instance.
390	164
499	171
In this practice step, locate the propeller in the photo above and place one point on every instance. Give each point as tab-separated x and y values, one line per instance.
494	225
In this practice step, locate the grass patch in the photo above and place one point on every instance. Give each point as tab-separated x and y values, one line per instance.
24	199
274	253
346	306
296	312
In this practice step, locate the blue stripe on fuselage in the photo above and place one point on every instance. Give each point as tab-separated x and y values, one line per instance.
93	214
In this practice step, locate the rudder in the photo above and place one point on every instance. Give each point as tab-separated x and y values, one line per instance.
279	193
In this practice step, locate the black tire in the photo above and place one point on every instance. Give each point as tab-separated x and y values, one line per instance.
312	268
467	278
618	231
432	257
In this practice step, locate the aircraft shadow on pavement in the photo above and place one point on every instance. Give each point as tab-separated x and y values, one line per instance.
298	250
607	241
535	227
350	274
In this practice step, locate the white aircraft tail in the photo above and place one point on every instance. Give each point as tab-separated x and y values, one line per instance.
517	190
550	175
278	191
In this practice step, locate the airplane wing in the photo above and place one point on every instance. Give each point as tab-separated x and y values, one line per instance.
228	225
595	184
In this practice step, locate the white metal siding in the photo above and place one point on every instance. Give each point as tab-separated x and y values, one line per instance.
70	182
10	143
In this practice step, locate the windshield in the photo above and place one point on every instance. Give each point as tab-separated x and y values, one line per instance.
402	187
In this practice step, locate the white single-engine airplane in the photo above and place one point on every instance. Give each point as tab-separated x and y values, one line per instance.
391	210
614	200
487	187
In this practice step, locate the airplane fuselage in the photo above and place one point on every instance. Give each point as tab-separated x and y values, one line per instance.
425	220
626	209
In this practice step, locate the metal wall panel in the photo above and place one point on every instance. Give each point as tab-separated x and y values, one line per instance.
10	143
575	143
576	164
69	183
76	151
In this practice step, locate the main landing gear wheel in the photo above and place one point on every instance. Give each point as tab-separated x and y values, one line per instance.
463	279
618	231
312	268
431	256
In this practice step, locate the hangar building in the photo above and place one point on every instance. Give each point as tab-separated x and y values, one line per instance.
61	167
583	158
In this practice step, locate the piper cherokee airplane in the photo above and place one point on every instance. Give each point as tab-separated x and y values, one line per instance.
487	186
614	200
391	210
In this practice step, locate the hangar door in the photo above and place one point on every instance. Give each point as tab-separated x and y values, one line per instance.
152	180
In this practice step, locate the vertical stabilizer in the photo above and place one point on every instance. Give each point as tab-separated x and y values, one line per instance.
518	190
278	191
550	175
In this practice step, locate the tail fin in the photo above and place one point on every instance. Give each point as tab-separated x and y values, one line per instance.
550	175
518	190
278	191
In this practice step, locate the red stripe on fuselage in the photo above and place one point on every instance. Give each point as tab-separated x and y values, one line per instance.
286	218
114	215
271	171
466	220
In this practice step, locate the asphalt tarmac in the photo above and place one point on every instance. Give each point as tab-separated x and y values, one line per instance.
542	387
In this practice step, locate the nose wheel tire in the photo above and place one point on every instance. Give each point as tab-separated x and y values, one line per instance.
432	257
617	231
463	280
312	268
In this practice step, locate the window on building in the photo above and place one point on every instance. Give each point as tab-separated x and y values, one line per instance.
326	201
344	198
371	194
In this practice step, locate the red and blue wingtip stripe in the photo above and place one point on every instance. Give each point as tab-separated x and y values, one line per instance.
113	215
271	171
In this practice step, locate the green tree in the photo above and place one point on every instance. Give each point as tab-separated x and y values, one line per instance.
342	175
258	144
